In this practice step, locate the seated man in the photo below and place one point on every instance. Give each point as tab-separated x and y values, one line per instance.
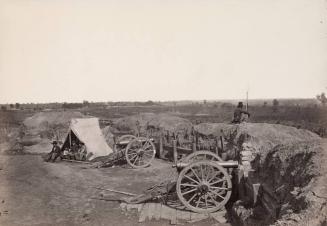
239	114
66	153
81	154
55	152
73	150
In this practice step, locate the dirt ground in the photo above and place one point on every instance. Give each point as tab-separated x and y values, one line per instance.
34	192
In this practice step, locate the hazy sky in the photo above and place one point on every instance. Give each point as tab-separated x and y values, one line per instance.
71	50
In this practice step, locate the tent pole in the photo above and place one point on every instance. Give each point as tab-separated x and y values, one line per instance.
70	139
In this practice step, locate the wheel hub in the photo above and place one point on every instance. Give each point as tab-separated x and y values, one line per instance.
140	152
203	188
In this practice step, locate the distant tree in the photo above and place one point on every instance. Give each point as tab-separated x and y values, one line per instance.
265	104
71	105
3	108
322	98
275	105
11	106
227	105
204	102
17	105
86	103
149	103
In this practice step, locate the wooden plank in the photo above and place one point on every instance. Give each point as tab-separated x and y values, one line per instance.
157	212
165	212
173	219
140	207
144	213
219	216
222	143
151	210
133	206
194	147
198	217
183	215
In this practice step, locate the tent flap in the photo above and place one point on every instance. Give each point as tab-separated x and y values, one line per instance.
88	131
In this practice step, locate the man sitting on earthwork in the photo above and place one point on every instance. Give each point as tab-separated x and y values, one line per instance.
240	115
55	152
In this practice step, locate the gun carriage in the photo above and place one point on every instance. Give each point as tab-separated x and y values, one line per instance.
204	182
138	152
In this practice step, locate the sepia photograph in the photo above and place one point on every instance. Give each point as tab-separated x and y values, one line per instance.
163	112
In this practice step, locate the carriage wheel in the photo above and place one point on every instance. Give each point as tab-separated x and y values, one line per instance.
124	138
202	155
204	186
140	152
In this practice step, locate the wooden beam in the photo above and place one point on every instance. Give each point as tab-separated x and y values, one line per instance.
161	147
69	160
116	191
175	151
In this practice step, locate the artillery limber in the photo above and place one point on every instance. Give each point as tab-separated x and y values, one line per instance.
138	152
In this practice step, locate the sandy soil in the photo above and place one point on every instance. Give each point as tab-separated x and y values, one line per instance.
34	192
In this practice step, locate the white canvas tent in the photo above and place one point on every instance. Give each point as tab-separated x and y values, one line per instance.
87	130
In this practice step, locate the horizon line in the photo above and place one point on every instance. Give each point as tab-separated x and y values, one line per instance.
156	101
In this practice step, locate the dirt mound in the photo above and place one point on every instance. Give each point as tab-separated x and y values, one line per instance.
108	133
286	162
42	120
147	121
45	127
213	129
264	137
171	123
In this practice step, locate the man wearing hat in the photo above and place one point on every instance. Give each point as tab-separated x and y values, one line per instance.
239	114
55	152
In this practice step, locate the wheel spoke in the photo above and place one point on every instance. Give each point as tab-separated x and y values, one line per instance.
133	157
214	176
206	202
214	192
146	145
216	182
135	160
191	179
189	185
198	202
187	192
195	175
207	172
212	198
190	200
131	154
202	175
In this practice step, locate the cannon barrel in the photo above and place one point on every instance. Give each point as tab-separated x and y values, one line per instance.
227	164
